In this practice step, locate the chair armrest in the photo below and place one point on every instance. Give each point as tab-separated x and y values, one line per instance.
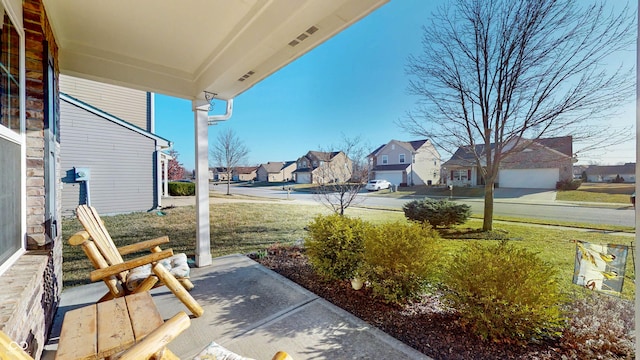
158	339
143	245
79	238
101	274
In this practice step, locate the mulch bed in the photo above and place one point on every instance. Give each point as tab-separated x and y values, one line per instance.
425	325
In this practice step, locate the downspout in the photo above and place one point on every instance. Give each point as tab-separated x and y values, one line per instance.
214	119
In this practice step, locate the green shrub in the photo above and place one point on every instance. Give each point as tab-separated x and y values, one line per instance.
335	245
600	327
504	293
568	184
437	212
177	188
399	258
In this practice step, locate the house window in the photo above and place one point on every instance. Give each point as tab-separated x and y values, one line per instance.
401	159
459	175
385	159
315	164
11	142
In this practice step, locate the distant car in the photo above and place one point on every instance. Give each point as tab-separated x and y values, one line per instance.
375	185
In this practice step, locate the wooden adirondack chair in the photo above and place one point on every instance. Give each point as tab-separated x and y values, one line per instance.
114	271
153	346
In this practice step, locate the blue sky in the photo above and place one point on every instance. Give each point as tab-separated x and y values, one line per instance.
353	84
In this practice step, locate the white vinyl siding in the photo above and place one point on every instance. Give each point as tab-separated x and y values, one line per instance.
121	163
127	104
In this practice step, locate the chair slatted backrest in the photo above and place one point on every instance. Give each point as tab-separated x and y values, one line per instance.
92	223
100	237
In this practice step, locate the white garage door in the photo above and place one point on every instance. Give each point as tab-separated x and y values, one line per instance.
529	178
394	177
303	178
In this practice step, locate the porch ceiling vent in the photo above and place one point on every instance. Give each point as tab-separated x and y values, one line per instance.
310	31
247	75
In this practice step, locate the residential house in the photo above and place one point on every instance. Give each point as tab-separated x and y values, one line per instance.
405	163
121	155
540	164
611	173
579	170
244	173
219	173
318	167
42	39
276	171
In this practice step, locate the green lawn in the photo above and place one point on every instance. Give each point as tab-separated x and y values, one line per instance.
599	192
245	227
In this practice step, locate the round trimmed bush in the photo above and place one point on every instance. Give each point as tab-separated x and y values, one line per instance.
399	259
505	293
335	245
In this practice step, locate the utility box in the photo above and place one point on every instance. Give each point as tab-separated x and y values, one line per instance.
82	173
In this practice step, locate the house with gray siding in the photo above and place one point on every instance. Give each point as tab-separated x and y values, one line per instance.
122	161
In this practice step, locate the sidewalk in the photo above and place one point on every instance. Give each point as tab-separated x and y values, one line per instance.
255	312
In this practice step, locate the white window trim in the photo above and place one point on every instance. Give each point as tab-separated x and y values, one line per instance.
402	158
384	159
20	138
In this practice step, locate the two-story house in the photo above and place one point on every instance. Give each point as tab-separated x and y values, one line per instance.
406	163
318	167
276	171
536	164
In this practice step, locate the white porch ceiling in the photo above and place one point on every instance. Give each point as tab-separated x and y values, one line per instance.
182	48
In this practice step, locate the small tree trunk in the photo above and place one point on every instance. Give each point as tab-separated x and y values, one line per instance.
228	184
487	224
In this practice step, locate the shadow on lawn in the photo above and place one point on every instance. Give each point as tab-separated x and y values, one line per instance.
475	234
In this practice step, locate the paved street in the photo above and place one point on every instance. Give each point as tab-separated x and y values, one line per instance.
507	203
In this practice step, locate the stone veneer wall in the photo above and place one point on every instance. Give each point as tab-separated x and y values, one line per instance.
31	287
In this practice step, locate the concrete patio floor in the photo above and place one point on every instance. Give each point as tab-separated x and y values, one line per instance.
255	312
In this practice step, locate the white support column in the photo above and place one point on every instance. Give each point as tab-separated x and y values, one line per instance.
203	237
159	182
165	176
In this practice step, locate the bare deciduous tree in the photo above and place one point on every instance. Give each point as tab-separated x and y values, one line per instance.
228	152
501	73
341	184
